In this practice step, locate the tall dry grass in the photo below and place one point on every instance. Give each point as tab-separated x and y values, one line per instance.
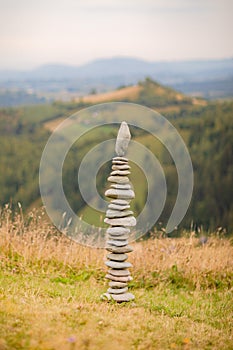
31	240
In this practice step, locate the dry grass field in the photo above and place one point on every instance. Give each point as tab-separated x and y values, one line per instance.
129	92
50	291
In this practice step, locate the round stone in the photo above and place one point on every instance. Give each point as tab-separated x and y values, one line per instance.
118	193
114	284
119	273
121	167
120	172
118	265
118	179
117	230
118	243
118	207
117	290
119	162
118	214
121	187
119	238
119	278
120	298
126	221
123	159
120	201
117	257
113	249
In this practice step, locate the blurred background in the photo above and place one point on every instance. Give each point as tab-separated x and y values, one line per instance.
174	56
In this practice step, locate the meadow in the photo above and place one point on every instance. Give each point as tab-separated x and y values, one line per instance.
50	291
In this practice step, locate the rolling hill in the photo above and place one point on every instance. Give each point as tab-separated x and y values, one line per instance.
205	127
148	93
207	78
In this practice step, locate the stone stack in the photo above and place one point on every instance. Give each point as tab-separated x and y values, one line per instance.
120	218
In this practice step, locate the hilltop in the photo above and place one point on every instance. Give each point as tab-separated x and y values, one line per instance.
147	92
24	132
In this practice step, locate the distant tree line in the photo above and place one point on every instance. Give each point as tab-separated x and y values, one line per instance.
209	134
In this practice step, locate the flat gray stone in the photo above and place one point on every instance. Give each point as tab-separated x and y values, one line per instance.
117	213
119	162
114	284
121	187
117	290
118	230
118	193
118	179
117	257
119	238
120	201
127	221
119	278
113	249
123	159
117	243
120	167
118	207
120	172
120	298
119	273
118	265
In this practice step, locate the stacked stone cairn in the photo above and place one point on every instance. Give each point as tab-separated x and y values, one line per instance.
120	218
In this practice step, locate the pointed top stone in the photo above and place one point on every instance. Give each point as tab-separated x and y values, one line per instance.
123	138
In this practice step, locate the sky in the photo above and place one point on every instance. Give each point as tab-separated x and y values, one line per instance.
36	32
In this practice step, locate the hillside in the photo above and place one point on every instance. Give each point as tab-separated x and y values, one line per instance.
147	92
205	127
206	78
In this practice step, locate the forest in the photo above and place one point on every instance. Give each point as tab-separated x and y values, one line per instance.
207	129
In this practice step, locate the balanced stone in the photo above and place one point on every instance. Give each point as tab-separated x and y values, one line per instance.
121	187
119	278
118	179
120	172
122	297
127	221
119	273
119	238
118	193
123	138
118	214
121	167
117	265
119	162
114	284
123	159
118	207
113	249
117	243
118	230
117	290
120	201
119	217
117	257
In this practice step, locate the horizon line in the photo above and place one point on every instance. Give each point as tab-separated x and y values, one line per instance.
53	63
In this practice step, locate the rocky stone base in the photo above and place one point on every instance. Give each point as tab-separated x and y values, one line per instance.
120	218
